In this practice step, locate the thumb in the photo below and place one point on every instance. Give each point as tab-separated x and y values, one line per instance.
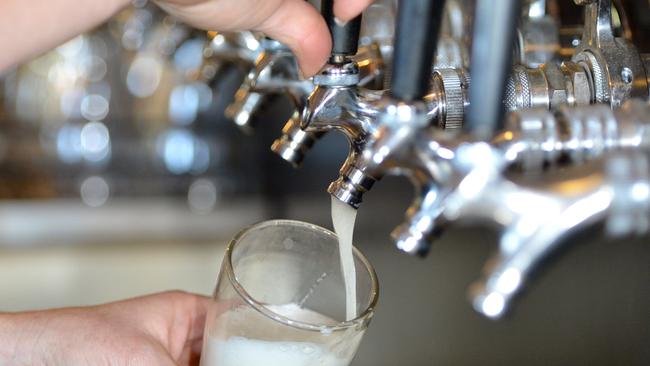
348	9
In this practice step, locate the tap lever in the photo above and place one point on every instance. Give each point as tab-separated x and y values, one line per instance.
494	30
418	24
345	36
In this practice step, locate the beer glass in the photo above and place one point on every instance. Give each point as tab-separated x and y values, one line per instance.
280	300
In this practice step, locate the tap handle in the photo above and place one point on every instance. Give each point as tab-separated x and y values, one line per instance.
495	27
345	36
418	24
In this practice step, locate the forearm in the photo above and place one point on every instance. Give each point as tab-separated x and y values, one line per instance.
8	344
20	336
31	27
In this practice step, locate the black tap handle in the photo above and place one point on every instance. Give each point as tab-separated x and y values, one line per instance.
495	27
345	37
416	39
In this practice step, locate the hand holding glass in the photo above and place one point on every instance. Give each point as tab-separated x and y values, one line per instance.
280	300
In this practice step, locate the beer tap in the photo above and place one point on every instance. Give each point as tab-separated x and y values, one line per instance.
533	141
614	187
276	71
461	179
407	113
337	102
240	49
445	102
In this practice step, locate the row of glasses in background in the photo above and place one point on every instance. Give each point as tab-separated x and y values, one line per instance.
121	111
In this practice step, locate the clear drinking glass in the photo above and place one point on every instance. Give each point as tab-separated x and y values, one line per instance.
280	300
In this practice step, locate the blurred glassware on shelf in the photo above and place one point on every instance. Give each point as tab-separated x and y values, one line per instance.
127	110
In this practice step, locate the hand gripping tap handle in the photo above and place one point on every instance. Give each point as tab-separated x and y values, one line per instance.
418	24
345	36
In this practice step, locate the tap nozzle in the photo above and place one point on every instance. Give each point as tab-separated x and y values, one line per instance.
352	183
416	235
242	109
492	297
274	71
295	142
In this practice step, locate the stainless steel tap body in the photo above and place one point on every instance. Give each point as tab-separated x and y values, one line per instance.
459	179
274	71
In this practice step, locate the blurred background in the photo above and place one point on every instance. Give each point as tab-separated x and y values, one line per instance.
121	176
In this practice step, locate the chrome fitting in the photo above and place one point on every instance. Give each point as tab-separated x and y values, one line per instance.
351	185
343	74
294	143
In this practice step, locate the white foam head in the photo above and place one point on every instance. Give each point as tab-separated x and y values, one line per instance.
270	343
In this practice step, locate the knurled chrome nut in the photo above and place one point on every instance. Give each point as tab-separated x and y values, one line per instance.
454	85
557	86
581	88
579	84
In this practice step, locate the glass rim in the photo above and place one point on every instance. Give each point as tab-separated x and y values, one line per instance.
264	310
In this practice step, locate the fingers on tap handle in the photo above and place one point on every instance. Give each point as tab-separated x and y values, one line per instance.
416	38
298	25
345	35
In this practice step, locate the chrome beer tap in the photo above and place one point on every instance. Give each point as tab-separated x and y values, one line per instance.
337	102
359	103
534	220
533	141
276	71
236	48
408	114
461	179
